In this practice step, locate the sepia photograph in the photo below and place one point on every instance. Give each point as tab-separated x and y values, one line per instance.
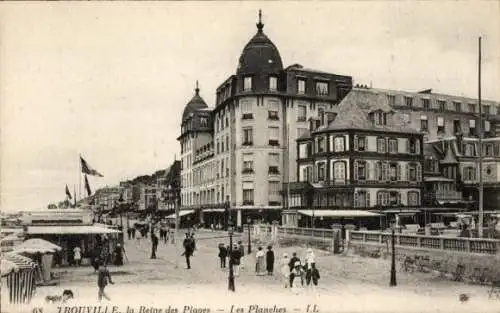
249	157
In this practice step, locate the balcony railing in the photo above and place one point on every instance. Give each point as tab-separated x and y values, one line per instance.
443	195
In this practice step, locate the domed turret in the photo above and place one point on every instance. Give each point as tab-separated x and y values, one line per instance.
260	55
196	103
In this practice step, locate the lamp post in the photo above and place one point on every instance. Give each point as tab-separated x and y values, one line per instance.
231	272
393	282
249	220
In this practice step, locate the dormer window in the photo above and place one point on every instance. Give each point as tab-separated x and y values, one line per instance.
247	84
301	86
379	118
273	83
322	88
203	122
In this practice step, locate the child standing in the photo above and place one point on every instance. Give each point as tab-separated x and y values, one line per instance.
312	274
222	255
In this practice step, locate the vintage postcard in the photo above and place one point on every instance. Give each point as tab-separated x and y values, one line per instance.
250	157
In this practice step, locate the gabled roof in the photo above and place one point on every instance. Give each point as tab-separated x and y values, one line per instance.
354	110
449	157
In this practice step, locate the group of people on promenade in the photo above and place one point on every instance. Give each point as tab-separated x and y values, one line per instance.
294	271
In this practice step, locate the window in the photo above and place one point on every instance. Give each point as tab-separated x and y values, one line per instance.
320	167
222	168
360	143
440	124
486	126
222	146
273	135
274	192
381	145
414	172
247	136
471	107
246	110
489	150
320	144
339	171
322	88
426	103
382	198
456	127
413	198
306	174
321	116
469	149
362	199
472	127
303	151
247	163
360	170
218	146
486	109
393	172
469	173
413	146
424	124
441	105
273	111
301	86
273	83
393	146
379	118
339	144
273	163
248	193
227	142
247	84
301	113
380	171
457	106
203	122
408	101
391	99
394	198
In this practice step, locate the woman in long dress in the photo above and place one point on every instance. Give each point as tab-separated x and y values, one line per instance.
260	266
285	269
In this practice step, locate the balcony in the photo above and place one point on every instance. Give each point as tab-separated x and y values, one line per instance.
450	195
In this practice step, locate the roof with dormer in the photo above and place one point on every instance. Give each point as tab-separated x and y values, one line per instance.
260	55
354	110
195	104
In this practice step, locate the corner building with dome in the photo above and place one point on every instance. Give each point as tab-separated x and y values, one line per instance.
238	155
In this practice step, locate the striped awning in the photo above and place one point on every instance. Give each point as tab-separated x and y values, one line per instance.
20	262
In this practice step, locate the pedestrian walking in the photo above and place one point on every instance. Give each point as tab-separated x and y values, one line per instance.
313	275
259	261
241	247
296	275
119	255
77	255
270	260
133	232
293	260
285	270
154	243
103	277
129	233
188	250
222	255
235	260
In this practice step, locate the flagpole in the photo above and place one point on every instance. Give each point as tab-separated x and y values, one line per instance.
480	149
80	177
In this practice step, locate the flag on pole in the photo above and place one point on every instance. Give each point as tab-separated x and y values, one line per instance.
86	169
68	194
87	186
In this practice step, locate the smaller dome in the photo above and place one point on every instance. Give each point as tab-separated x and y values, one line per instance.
196	103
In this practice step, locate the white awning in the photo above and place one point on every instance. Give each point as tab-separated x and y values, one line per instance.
338	213
438	179
70	230
181	213
213	210
399	211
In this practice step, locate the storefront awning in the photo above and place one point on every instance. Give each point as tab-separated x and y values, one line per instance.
181	213
399	211
338	213
213	210
69	230
430	209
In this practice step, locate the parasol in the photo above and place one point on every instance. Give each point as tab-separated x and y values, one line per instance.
39	243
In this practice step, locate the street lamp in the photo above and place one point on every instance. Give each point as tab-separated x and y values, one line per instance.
393	282
249	220
231	272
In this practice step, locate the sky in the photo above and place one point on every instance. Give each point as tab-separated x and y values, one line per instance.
110	80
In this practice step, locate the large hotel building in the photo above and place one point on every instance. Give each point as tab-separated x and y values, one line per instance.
277	132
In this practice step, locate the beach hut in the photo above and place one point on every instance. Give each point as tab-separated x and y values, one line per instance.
19	274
